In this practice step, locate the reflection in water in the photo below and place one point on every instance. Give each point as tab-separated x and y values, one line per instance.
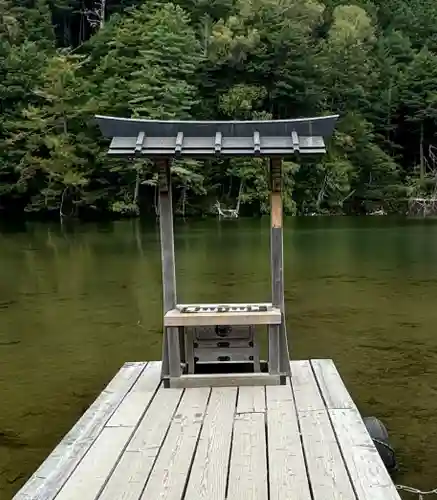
76	302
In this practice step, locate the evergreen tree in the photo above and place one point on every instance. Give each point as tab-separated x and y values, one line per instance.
418	97
371	61
52	138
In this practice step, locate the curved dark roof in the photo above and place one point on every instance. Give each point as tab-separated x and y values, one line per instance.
112	126
156	138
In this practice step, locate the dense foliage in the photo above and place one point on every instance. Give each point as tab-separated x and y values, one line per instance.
372	61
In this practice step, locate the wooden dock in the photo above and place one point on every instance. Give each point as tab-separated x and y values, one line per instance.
139	441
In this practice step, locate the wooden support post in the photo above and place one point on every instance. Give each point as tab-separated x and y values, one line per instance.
171	364
181	331
278	348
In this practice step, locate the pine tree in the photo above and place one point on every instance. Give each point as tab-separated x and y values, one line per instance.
22	58
163	84
52	138
150	71
345	60
394	54
418	97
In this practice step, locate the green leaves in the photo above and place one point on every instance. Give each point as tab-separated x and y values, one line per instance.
241	101
372	61
418	88
51	159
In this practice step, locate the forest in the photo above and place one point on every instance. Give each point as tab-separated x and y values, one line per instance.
62	61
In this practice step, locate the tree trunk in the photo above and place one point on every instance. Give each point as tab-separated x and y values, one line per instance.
102	13
81	28
61	213
137	188
348	196
388	124
321	194
422	158
240	191
205	36
184	200
155	202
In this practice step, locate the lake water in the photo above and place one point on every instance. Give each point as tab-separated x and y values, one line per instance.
77	302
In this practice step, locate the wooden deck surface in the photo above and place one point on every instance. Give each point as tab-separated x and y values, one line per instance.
139	441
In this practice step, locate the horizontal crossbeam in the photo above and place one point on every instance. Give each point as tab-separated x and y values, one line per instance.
175	318
199	147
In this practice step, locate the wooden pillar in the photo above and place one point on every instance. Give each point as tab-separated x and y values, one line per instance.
170	347
278	348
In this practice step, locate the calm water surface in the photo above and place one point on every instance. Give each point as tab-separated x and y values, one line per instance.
75	303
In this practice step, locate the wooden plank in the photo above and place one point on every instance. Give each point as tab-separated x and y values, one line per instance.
210	468
224	380
276	209
170	472
138	398
274	349
92	472
331	385
306	391
174	354
367	471
251	399
287	470
181	331
57	468
130	476
327	473
248	467
175	318
189	350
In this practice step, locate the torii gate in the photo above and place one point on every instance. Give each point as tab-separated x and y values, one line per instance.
211	334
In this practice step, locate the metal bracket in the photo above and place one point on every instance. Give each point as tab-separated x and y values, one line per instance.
256	143
295	139
139	143
218	143
179	141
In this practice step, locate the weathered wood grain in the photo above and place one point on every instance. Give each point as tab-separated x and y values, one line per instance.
170	472
368	474
276	210
91	473
327	473
130	475
278	342
242	442
251	399
168	267
331	385
57	468
138	398
287	471
274	342
225	380
175	318
306	391
210	467
248	467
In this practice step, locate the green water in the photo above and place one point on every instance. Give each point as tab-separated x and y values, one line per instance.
77	302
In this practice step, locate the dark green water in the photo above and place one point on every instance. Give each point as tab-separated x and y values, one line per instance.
76	303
